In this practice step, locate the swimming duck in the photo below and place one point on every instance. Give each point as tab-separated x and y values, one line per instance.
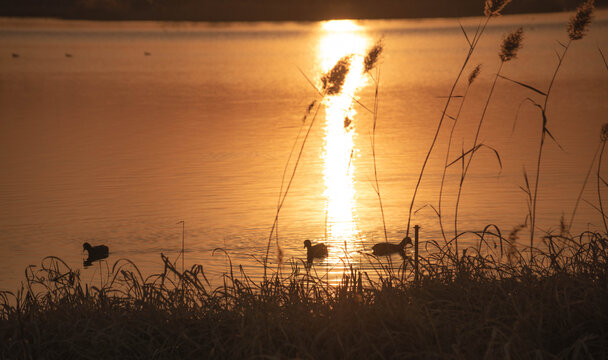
95	253
318	251
387	249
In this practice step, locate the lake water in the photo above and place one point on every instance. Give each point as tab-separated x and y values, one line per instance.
143	125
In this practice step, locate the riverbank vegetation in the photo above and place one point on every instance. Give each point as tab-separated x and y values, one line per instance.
490	303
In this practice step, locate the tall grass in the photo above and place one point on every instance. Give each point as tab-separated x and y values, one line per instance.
370	62
508	51
600	148
482	307
577	27
491	9
332	83
472	76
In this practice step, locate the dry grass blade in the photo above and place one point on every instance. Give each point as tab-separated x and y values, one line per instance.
465	34
524	85
470	151
603	57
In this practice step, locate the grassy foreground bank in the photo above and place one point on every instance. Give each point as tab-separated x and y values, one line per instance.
483	305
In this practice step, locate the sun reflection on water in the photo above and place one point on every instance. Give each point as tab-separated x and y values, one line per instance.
341	38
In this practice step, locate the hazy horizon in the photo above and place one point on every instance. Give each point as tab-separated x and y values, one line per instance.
269	10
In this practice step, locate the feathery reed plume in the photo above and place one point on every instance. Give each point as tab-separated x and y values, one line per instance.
563	228
604	133
577	27
308	110
371	59
280	255
347	122
493	8
333	80
512	240
511	44
474	74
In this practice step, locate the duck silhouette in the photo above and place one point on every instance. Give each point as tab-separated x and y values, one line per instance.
318	251
387	249
68	55
15	55
95	253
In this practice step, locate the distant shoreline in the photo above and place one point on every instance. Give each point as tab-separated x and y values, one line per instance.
270	10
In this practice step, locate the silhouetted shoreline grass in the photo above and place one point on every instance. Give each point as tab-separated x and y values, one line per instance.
486	305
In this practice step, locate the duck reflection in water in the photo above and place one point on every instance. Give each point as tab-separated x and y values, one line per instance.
98	252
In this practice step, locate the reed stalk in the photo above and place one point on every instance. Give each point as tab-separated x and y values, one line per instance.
440	123
580	194
472	76
375	121
577	27
470	158
491	9
509	47
600	181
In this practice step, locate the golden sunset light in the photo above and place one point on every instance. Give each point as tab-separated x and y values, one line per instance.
268	179
341	38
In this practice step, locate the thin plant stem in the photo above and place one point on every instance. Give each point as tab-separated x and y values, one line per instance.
445	109
599	180
445	165
580	194
470	158
293	147
542	142
377	187
293	174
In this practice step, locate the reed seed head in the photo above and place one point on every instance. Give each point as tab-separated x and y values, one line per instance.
579	23
371	59
604	134
494	7
563	228
511	44
347	122
310	106
473	75
334	79
280	255
511	241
